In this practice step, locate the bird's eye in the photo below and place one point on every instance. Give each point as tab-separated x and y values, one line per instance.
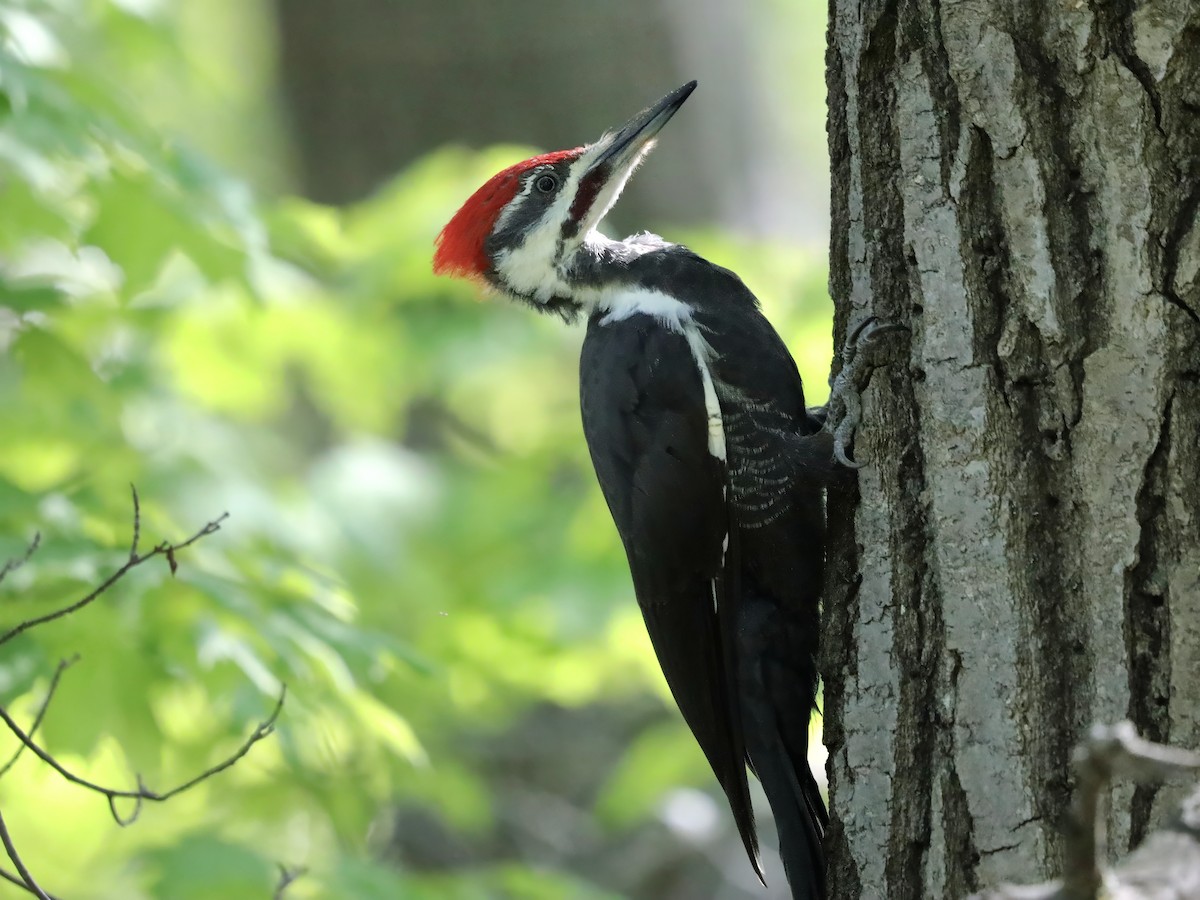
546	183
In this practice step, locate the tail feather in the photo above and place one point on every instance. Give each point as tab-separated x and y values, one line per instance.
777	686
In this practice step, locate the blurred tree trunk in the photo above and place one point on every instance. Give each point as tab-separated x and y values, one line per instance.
374	84
1019	183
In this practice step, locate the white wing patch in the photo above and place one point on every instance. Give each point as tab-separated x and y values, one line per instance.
702	353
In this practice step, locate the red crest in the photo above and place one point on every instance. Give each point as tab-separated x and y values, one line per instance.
460	245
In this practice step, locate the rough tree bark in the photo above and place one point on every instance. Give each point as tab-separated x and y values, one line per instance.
1018	182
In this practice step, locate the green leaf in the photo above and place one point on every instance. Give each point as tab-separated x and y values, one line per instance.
204	866
142	220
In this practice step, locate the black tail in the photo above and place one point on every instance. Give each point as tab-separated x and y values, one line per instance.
777	684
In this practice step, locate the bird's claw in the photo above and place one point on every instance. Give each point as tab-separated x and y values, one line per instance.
864	337
845	400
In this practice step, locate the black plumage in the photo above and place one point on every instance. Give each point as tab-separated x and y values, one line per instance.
726	556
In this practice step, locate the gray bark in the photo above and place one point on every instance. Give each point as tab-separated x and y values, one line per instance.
1018	183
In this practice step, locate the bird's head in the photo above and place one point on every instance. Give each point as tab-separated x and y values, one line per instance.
520	232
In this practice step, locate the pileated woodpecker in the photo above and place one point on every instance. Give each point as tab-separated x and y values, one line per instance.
712	467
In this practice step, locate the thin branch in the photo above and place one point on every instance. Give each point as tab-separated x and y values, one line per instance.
37	720
14	880
1110	750
29	883
1117	750
286	877
24	879
143	793
137	523
1167	864
166	548
17	561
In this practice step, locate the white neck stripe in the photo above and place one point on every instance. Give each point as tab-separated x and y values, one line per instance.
623	303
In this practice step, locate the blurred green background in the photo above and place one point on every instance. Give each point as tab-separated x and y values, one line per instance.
216	221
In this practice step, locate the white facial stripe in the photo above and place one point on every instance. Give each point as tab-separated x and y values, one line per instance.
532	268
611	192
511	207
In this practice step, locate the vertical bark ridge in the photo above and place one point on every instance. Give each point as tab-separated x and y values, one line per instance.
962	855
1148	624
839	657
875	683
1030	192
1178	553
916	644
863	760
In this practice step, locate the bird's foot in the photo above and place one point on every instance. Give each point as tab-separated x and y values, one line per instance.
844	411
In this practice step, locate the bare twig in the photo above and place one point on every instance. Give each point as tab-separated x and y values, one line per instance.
26	877
37	720
137	524
143	793
1167	864
1117	750
18	561
14	880
286	877
1110	750
166	548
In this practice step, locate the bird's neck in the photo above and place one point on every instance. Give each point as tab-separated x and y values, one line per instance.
595	276
620	283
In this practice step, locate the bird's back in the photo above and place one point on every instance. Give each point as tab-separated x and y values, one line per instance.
742	670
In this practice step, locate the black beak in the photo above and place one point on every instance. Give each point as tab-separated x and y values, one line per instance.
627	144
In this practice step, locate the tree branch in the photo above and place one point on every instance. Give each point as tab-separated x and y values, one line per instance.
37	720
166	548
286	877
1166	865
26	878
16	562
137	523
142	793
14	880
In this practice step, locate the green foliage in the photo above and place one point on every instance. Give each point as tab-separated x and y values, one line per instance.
415	541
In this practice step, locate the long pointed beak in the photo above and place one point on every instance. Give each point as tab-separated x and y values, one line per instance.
616	156
627	144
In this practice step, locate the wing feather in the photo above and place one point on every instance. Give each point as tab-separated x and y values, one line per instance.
647	427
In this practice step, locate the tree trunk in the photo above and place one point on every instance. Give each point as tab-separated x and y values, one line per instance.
1018	182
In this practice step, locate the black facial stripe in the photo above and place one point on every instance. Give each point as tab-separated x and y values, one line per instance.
589	189
531	205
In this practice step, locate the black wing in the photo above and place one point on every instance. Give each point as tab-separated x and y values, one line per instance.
646	425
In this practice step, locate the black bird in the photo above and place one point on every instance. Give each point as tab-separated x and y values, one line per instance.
712	466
